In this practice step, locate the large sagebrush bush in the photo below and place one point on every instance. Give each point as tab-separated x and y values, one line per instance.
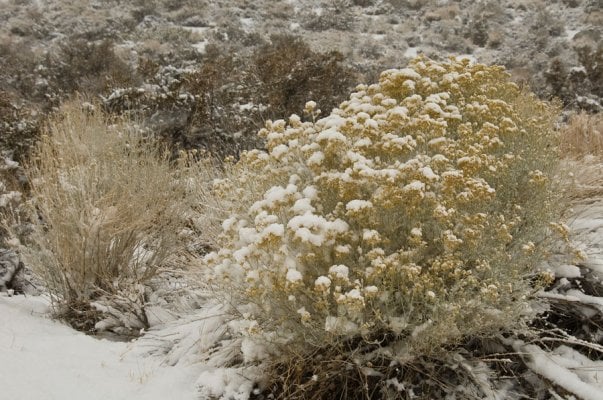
410	217
107	209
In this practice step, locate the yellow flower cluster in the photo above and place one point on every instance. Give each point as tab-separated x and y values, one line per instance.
413	206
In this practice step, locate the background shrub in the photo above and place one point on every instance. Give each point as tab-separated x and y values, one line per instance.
591	59
411	217
17	63
87	67
227	108
234	94
291	72
221	103
19	127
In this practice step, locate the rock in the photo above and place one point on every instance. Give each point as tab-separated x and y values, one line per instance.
10	268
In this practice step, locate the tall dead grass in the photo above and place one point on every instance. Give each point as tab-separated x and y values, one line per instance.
581	145
110	207
583	135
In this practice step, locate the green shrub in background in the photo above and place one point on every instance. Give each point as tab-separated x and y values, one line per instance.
409	218
235	95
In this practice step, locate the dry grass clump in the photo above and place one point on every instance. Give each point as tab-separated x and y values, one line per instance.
582	179
107	209
409	218
582	135
581	144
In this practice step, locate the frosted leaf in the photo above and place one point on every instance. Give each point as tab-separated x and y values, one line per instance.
398	111
294	276
294	119
333	121
370	235
358	205
228	223
453	174
339	271
340	325
414	186
433	107
252	350
371	290
416	232
403	73
362	116
331	135
437	141
305	315
241	254
339	226
429	174
310	106
247	235
316	159
305	235
263	218
342	249
363	142
274	229
303	206
322	282
409	84
279	151
252	275
310	192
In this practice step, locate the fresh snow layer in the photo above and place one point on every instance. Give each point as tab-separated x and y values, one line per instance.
567	372
45	360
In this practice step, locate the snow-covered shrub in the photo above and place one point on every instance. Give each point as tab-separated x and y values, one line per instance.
334	14
578	86
234	95
107	208
410	217
291	72
86	67
221	103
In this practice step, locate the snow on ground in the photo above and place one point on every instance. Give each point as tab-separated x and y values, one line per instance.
587	226
571	371
46	360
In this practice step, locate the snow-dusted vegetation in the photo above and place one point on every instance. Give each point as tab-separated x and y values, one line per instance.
352	199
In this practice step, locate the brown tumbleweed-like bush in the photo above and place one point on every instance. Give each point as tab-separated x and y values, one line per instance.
107	207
